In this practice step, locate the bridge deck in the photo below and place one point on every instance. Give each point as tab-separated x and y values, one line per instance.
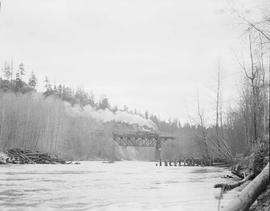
140	139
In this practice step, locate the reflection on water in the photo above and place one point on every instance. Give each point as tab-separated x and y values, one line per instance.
117	186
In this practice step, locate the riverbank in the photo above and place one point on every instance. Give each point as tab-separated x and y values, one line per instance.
254	186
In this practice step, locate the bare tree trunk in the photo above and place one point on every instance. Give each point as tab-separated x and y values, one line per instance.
252	78
217	102
203	132
2	127
221	117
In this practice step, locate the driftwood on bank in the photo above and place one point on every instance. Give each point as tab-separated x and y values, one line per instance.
238	173
19	156
250	193
226	187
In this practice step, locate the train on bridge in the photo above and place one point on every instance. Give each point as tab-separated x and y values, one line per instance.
142	139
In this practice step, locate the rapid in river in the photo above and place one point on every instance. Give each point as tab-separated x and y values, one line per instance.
125	185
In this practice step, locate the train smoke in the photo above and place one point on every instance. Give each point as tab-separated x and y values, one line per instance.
107	115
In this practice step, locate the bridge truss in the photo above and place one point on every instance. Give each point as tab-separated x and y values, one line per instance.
142	139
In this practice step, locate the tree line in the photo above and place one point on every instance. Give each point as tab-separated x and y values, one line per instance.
41	120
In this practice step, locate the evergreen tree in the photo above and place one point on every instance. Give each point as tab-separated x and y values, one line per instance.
125	108
115	109
32	80
146	115
7	71
21	70
19	78
104	103
48	87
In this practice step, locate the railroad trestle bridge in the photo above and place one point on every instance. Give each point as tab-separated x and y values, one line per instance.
142	139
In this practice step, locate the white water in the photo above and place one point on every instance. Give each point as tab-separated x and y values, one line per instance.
118	186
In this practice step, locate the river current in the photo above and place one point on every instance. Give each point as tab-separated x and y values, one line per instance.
125	185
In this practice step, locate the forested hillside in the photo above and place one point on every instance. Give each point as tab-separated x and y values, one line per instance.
72	124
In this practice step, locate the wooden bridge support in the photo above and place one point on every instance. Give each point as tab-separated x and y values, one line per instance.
158	150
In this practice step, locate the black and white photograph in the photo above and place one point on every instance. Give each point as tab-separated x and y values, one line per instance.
134	105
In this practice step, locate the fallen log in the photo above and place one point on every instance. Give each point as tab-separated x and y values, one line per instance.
18	156
238	173
226	187
250	193
27	158
221	164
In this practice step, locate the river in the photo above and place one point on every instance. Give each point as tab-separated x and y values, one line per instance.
126	185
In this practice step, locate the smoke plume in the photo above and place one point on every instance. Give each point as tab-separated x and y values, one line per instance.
107	115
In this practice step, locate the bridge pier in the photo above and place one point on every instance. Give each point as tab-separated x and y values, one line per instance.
157	150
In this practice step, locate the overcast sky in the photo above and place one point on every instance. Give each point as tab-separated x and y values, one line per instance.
151	55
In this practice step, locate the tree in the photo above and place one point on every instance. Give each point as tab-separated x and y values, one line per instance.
7	71
256	86
254	104
146	115
32	80
48	87
125	108
218	101
21	70
19	78
202	132
115	109
104	103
